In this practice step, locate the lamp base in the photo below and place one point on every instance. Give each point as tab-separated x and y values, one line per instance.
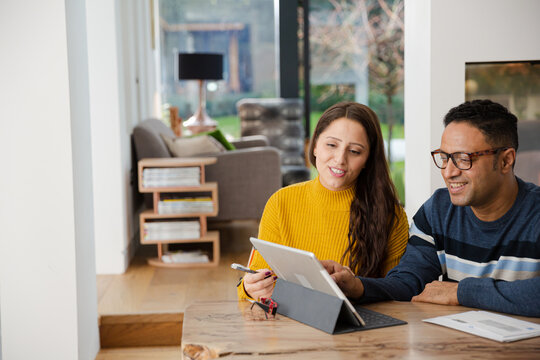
200	122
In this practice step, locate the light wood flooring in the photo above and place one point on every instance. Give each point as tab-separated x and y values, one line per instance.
144	289
141	353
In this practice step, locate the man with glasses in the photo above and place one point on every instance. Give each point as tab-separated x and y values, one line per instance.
481	234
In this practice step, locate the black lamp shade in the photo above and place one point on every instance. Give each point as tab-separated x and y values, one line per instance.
200	66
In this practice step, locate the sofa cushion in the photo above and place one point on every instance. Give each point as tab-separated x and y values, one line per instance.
193	146
147	140
218	135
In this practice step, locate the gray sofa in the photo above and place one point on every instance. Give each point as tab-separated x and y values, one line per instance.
246	176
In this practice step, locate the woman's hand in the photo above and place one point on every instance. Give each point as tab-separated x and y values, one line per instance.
343	276
260	284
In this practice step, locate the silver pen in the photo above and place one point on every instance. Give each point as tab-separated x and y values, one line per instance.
243	268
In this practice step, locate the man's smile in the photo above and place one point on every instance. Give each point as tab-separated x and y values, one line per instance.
456	187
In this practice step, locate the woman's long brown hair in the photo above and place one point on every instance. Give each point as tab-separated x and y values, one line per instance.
373	208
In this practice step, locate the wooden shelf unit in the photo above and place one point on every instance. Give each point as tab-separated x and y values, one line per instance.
152	215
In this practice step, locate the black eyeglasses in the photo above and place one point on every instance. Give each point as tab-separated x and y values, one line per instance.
461	160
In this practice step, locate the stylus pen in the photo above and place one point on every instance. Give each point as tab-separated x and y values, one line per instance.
243	268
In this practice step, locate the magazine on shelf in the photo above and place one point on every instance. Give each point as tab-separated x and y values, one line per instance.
172	235
489	325
172	230
170	182
187	257
170	177
186	171
186	205
172	225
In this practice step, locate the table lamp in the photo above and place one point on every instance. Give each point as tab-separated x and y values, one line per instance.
201	67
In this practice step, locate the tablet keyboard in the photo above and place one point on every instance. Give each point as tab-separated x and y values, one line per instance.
375	319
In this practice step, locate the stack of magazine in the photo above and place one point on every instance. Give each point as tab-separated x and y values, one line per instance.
171	177
172	230
196	256
185	205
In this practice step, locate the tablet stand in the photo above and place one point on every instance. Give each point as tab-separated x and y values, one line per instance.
324	312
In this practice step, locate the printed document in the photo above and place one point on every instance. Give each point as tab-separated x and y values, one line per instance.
489	325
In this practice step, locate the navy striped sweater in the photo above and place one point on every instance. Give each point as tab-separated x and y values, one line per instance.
496	263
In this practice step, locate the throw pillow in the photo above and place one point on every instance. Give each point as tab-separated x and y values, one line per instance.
218	135
193	146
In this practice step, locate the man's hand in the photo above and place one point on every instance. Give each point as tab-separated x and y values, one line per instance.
439	292
344	277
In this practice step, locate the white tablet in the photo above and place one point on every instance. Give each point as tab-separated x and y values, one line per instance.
302	268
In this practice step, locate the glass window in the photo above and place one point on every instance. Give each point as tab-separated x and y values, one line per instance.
356	54
243	31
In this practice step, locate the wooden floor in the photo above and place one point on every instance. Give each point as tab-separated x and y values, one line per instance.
141	353
144	289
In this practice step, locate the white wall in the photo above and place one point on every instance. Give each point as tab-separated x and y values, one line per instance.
440	37
113	229
122	93
48	298
83	207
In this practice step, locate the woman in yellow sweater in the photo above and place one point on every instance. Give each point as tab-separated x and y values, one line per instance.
350	213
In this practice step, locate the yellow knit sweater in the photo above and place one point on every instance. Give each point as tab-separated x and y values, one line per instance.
310	217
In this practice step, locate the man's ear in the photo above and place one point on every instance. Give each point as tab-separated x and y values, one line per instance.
508	158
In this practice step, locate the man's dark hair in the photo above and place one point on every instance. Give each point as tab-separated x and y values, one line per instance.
498	125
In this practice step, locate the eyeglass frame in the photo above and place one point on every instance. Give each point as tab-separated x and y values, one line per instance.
470	155
268	305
